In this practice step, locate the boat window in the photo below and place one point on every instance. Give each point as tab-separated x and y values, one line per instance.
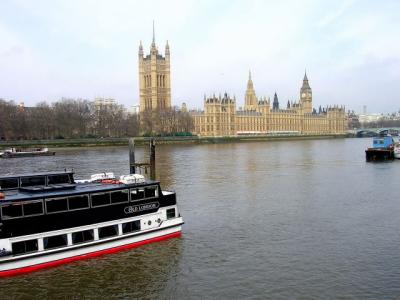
170	213
8	183
33	181
33	208
137	194
130	227
57	179
108	231
100	199
11	211
120	196
55	241
78	202
151	192
56	205
82	236
24	247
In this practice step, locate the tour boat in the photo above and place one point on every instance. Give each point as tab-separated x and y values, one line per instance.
21	152
47	219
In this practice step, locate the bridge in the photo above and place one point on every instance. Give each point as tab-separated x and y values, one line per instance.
369	132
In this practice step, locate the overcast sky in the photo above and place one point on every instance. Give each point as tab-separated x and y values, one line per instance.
88	48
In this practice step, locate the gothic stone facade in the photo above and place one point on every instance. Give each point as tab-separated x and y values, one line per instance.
154	79
220	117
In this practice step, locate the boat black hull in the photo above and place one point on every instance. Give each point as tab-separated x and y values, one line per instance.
26	154
379	154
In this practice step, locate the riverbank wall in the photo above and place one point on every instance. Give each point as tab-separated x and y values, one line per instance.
95	142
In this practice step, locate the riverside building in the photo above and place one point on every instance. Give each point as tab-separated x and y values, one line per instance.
259	116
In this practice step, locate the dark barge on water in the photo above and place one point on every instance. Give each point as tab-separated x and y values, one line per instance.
382	149
47	219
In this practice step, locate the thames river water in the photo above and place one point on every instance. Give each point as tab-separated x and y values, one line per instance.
280	220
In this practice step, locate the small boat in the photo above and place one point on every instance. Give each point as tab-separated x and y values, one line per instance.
24	152
382	149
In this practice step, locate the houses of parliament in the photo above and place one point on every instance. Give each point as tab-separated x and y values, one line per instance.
220	116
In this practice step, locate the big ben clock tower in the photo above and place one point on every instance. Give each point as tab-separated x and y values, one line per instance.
306	96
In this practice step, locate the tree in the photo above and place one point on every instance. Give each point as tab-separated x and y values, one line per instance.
78	118
168	122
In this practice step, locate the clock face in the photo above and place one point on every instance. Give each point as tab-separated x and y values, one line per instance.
303	95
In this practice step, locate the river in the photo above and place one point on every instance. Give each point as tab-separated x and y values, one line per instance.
282	220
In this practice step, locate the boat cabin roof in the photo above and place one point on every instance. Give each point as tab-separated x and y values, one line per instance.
17	181
40	192
38	174
55	184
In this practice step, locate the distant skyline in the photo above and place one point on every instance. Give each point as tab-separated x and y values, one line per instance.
89	48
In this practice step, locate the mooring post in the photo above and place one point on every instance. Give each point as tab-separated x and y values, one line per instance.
152	159
132	168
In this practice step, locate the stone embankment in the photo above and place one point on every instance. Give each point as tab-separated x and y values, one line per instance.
94	142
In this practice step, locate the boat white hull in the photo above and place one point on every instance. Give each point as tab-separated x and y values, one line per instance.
11	153
29	263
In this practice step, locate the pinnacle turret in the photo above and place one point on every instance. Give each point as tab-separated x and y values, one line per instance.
275	104
250	82
153	43
153	48
305	82
167	50
250	100
140	49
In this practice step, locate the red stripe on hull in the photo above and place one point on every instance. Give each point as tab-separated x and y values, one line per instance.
85	256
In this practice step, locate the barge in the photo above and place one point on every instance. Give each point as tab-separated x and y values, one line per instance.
21	152
382	149
47	219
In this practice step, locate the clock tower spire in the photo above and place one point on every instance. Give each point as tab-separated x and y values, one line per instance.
306	95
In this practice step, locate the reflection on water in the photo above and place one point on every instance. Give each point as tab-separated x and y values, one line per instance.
288	219
127	274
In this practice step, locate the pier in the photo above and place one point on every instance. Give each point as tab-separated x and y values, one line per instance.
140	167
